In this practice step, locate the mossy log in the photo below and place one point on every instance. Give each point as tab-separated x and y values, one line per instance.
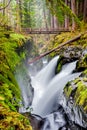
58	47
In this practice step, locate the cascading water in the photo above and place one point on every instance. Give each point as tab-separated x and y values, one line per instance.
26	90
39	82
46	94
48	100
47	73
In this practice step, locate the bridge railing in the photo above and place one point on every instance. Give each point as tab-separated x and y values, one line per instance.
43	30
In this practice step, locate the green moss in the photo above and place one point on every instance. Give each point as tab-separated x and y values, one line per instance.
59	65
85	79
10	95
68	91
81	94
76	80
9	58
63	37
77	89
82	63
10	120
85	73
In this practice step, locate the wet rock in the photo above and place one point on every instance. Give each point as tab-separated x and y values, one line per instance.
58	120
67	55
76	98
70	53
82	63
36	121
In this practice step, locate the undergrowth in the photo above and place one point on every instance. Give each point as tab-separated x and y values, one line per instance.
10	97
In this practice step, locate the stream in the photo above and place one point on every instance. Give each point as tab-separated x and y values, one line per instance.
43	94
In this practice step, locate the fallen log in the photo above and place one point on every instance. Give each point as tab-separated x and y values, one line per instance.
59	46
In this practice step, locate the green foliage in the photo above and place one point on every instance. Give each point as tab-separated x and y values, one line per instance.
10	120
60	9
9	89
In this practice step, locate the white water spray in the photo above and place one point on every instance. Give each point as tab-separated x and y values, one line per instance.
49	87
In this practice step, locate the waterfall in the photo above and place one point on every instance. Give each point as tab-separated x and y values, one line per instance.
40	81
48	87
23	80
48	100
44	76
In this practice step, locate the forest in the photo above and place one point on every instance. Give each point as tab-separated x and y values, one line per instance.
30	30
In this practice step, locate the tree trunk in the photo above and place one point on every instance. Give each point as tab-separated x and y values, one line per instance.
45	20
4	9
74	11
77	8
85	11
66	17
20	12
18	27
55	23
52	22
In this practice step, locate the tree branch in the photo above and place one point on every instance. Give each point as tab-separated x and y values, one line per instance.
5	6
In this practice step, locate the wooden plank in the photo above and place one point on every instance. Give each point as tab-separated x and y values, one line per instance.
45	32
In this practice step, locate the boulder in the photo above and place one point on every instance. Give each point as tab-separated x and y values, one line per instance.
67	55
82	63
76	96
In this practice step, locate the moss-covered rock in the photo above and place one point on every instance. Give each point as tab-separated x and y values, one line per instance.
63	37
82	63
77	90
67	55
59	65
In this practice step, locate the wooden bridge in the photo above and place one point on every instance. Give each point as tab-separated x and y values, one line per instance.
44	31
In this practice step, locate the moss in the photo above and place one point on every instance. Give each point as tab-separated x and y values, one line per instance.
63	37
77	89
85	108
81	94
85	73
59	64
85	79
76	80
82	63
10	120
68	91
9	90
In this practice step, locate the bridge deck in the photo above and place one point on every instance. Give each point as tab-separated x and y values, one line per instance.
30	31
